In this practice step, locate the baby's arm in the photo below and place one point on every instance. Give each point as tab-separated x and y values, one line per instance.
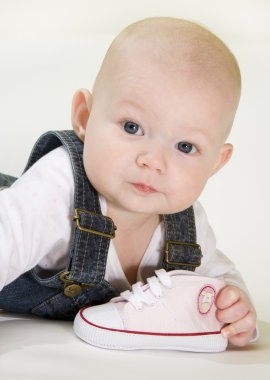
235	308
236	311
36	217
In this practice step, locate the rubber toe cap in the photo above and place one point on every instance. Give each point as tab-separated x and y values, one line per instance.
106	316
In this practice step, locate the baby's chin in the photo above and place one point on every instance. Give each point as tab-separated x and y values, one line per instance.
173	207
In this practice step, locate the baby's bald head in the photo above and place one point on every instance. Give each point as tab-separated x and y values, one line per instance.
170	43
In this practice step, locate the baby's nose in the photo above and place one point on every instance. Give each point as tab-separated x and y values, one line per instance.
153	160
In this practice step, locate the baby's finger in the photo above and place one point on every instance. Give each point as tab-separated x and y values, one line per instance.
244	327
227	297
240	340
233	313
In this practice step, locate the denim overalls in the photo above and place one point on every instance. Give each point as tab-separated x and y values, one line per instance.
61	295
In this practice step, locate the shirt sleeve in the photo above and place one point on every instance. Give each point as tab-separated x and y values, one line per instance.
214	262
36	217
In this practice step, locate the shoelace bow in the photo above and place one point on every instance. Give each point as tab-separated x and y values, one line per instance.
137	296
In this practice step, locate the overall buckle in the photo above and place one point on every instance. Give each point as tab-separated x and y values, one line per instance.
71	288
195	247
92	215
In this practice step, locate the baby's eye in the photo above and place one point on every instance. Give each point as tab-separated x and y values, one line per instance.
186	147
132	128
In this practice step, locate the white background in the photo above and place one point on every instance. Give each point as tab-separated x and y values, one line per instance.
50	48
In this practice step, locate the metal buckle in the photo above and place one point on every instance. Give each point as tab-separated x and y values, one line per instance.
169	242
72	289
77	220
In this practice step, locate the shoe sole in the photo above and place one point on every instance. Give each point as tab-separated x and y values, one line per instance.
134	340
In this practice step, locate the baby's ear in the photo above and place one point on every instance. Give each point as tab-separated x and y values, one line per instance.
81	108
224	156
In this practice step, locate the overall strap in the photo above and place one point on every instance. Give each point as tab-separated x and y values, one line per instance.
92	230
181	249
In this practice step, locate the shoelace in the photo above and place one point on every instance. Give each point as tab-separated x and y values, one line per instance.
137	296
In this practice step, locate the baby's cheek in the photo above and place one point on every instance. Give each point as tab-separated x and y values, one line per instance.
182	195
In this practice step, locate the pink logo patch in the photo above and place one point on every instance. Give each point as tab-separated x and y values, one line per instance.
206	299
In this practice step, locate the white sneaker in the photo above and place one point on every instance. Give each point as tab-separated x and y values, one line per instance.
175	311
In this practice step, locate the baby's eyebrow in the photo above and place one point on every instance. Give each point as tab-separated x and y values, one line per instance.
130	103
137	108
193	133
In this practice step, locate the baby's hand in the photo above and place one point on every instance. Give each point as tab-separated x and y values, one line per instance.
237	313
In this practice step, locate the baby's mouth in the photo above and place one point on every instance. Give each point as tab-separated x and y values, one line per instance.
143	188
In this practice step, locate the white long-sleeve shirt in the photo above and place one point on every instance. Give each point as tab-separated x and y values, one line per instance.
36	222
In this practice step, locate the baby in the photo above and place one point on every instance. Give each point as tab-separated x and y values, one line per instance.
154	130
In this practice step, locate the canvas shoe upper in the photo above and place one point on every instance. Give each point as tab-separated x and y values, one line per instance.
174	310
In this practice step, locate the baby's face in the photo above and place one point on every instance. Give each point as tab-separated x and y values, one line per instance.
154	138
